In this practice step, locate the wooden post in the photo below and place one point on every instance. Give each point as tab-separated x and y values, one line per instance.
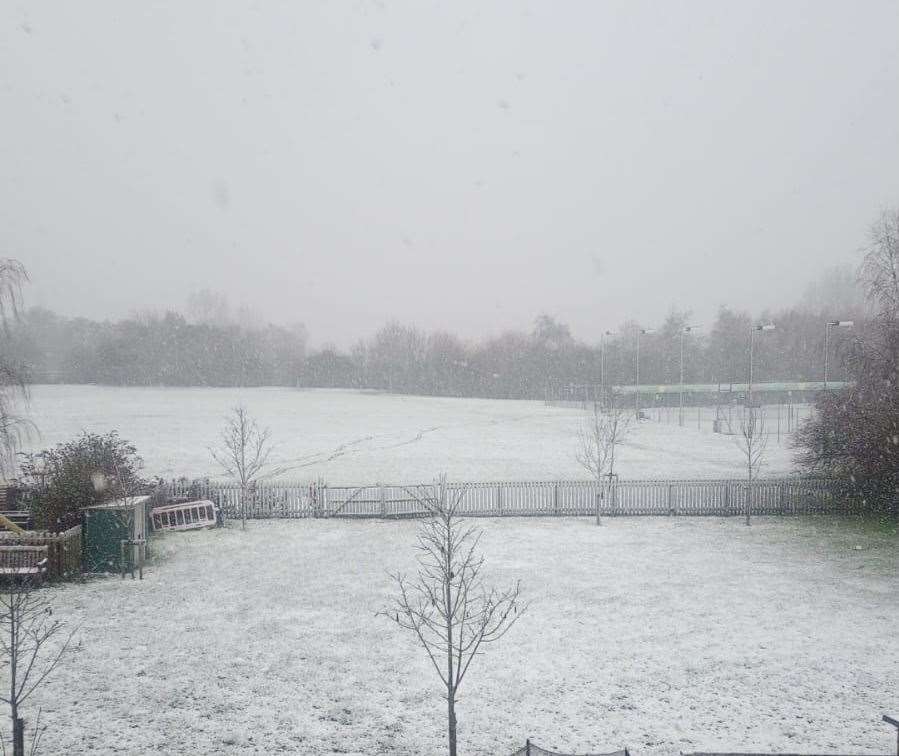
499	499
727	498
382	500
556	497
671	509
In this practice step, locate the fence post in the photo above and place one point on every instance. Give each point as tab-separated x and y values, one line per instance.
499	499
727	511
382	500
556	497
671	509
782	496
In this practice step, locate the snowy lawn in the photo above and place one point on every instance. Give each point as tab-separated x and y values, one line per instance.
351	437
659	634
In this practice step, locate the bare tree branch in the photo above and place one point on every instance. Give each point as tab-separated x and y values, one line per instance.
598	440
752	440
243	453
447	605
32	645
879	271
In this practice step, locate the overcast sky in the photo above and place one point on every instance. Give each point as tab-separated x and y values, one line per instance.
454	165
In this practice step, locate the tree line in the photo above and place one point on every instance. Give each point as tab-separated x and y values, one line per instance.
156	350
209	347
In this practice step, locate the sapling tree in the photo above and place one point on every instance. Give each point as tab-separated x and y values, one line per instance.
598	439
33	642
243	453
447	605
752	440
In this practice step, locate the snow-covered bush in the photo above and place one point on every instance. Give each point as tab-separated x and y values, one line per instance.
88	470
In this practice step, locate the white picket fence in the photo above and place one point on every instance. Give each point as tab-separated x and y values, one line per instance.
770	496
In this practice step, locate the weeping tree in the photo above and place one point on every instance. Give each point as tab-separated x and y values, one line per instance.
243	453
598	439
447	606
14	428
854	433
879	272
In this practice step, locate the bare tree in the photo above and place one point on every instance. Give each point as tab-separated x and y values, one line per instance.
32	644
13	389
447	606
880	269
243	453
598	438
752	440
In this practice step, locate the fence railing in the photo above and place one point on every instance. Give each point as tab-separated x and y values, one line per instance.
770	496
64	549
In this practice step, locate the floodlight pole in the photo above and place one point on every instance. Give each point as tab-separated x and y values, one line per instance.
827	326
750	424
680	412
680	415
752	330
602	363
637	377
646	332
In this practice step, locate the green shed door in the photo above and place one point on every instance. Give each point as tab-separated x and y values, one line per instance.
104	530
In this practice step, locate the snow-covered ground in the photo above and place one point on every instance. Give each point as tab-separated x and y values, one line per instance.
664	635
354	437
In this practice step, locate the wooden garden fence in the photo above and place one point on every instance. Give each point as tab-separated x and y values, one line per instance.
63	552
770	496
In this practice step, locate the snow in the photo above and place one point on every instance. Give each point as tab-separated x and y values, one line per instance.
664	635
350	437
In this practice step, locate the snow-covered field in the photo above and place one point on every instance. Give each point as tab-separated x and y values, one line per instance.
664	635
353	437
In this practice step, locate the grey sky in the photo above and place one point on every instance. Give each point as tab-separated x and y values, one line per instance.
454	165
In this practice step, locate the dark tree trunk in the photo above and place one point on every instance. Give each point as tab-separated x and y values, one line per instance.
451	721
18	737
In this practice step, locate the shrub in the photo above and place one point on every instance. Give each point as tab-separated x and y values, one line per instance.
89	470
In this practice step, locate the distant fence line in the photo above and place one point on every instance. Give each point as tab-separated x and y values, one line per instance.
770	496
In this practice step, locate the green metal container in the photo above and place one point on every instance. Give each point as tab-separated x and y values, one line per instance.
105	527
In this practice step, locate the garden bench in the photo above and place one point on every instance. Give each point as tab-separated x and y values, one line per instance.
24	561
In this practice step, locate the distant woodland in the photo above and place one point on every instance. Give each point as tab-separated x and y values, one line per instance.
209	345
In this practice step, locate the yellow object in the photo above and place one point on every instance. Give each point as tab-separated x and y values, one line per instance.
10	525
